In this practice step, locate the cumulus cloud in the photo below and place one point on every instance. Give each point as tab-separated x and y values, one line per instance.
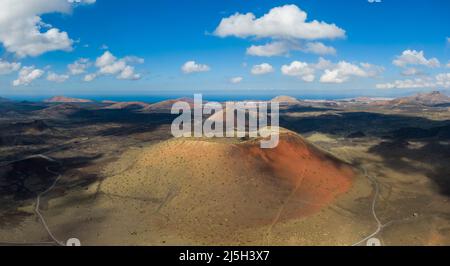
236	80
278	48
301	70
27	75
57	78
105	60
108	64
343	71
323	64
128	74
411	71
79	67
193	67
413	57
82	1
114	68
408	84
262	69
330	72
441	80
284	22
372	70
7	67
23	32
319	48
134	59
269	49
288	28
90	77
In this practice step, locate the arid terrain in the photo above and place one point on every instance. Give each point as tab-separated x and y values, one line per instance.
110	173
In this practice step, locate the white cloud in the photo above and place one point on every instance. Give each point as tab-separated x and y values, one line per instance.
413	57
262	69
134	60
343	71
105	59
372	70
7	67
440	80
236	80
407	84
114	68
412	71
284	22
27	75
301	70
193	67
269	49
82	1
57	78
23	32
323	64
319	48
330	72
108	64
278	48
79	67
443	80
90	77
128	73
448	65
286	26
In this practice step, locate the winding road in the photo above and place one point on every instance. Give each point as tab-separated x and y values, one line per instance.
374	213
37	209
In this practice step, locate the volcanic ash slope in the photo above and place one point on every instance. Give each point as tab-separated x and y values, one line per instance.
210	189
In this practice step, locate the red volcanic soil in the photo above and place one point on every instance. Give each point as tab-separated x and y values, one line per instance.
212	189
315	177
239	182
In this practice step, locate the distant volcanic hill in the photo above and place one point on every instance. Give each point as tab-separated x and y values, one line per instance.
221	116
285	100
428	99
108	102
59	110
166	106
224	185
127	105
63	99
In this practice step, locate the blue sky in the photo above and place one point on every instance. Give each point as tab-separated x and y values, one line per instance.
390	48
